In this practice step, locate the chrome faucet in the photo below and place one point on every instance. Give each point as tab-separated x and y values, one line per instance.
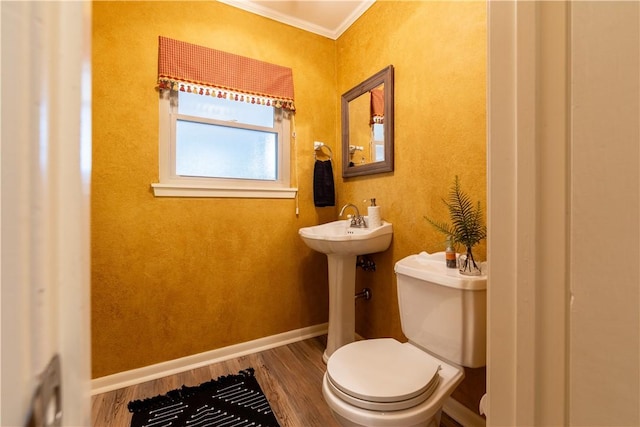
356	220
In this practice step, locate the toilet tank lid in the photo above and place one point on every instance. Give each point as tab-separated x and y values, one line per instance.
432	268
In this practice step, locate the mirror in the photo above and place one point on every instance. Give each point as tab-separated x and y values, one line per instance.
367	126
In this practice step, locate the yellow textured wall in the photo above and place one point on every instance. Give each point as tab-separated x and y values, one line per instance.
438	50
439	58
172	277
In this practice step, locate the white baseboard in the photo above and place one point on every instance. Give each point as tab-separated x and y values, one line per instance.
462	414
171	367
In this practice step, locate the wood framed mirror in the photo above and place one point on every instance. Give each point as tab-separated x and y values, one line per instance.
367	126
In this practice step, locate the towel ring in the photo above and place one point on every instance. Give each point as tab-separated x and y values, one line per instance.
318	146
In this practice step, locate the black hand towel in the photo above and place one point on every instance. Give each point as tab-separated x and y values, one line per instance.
323	189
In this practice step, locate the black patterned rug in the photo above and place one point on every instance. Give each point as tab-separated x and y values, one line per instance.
229	401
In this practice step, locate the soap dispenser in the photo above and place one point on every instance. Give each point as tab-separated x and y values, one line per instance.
373	212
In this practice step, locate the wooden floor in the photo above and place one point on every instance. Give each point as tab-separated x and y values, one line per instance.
290	376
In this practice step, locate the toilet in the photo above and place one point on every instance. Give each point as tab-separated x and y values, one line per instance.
383	382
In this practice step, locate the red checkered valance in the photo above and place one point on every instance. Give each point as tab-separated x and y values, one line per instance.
377	105
191	68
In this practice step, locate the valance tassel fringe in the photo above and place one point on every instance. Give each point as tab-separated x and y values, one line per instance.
177	86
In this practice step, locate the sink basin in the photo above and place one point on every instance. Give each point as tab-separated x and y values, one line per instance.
338	237
342	244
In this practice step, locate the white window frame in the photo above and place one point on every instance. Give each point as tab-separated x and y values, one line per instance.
173	185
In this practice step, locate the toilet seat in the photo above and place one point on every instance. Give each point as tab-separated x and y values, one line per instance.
382	374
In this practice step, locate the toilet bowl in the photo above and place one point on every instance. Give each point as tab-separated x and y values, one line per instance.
383	382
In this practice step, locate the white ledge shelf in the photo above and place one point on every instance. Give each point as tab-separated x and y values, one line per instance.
182	190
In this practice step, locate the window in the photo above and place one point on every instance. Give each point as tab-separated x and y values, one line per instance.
377	142
215	147
220	142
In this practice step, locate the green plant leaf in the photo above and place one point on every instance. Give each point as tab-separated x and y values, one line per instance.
467	227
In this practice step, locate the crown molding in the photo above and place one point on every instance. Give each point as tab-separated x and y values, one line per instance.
332	33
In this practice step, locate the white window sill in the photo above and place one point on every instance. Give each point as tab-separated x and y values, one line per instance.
190	190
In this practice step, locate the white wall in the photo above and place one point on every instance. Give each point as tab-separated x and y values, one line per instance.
605	247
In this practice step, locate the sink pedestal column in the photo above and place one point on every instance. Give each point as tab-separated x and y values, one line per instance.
342	307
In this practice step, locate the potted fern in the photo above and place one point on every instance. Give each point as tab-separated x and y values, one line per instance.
466	228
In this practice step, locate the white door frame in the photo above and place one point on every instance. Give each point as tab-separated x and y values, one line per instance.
46	166
563	202
527	248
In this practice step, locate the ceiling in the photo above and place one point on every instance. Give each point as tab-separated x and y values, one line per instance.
329	18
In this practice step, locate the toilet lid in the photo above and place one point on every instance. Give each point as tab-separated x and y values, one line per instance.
383	370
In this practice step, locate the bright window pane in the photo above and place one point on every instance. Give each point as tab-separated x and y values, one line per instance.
206	150
223	109
378	132
378	138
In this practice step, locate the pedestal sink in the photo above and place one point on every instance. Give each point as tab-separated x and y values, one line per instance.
342	244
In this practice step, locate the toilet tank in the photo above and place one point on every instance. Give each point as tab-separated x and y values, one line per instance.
442	311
